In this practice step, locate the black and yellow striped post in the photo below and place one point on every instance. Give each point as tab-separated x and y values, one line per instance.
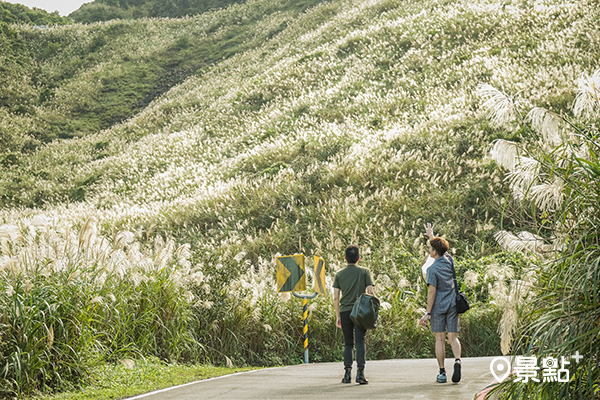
305	328
305	298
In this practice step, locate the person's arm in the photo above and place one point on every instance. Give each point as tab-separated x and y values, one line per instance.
429	230
430	299
370	290
336	305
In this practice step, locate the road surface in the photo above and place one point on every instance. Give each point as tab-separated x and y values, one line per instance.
388	379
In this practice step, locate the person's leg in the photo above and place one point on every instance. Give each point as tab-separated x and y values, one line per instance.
348	331
359	334
455	343
453	329
438	326
440	348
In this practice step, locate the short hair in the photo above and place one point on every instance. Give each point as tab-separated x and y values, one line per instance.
352	254
439	245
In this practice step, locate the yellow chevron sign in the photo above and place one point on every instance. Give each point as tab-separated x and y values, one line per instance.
320	286
290	273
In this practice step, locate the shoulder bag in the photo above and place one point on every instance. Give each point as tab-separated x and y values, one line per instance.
462	302
365	312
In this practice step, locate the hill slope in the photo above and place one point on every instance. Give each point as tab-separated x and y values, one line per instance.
105	10
351	114
68	82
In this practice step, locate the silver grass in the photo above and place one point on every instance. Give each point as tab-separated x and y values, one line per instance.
523	176
504	153
499	107
587	102
548	196
546	123
515	297
524	242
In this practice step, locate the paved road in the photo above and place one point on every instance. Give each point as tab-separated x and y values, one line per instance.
388	379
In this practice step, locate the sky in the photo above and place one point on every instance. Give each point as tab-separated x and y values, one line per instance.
64	7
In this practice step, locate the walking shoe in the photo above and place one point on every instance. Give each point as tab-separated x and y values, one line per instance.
441	378
347	375
360	377
456	374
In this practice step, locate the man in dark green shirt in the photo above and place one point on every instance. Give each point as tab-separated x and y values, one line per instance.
351	281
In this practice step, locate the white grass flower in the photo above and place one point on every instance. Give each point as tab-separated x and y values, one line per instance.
285	296
547	124
385	305
50	338
587	102
189	296
548	196
499	107
515	296
10	291
403	282
240	256
524	242
267	328
127	363
505	153
136	279
523	176
96	300
506	329
470	278
228	362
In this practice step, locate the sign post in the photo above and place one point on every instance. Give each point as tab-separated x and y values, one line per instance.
291	277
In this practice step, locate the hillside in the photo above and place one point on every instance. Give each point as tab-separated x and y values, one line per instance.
318	107
20	14
68	82
105	10
286	127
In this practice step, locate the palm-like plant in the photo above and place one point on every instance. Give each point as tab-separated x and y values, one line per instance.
558	175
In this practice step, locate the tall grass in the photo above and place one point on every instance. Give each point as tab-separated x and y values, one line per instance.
562	192
70	302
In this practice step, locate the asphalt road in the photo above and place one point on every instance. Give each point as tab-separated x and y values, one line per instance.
388	379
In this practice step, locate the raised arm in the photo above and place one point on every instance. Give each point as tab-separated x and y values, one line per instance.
429	230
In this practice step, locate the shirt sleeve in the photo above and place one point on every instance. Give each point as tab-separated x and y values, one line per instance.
432	277
427	264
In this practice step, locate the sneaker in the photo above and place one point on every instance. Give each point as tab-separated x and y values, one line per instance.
456	374
441	378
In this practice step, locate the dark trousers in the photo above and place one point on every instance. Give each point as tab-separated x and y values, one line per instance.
350	331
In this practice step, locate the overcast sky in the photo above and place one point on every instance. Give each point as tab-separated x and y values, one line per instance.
64	7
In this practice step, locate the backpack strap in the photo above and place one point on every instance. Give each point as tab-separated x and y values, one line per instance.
454	276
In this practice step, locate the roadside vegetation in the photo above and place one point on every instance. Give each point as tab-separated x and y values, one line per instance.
141	212
555	174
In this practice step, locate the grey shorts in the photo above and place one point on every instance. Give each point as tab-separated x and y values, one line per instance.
445	322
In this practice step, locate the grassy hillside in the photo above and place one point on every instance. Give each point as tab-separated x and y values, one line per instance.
69	82
20	14
354	121
105	10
